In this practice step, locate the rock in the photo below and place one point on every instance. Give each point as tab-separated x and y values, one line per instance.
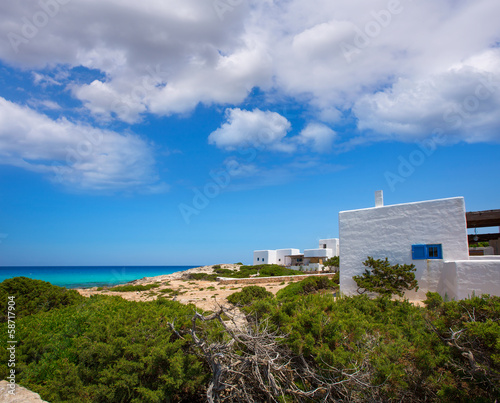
22	395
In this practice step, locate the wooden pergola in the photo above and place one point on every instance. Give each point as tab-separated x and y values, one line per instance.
482	219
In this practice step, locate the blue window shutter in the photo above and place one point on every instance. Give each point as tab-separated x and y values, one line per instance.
418	252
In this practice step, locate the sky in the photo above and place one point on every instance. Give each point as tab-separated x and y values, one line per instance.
192	132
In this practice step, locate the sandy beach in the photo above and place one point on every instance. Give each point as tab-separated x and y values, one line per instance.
204	294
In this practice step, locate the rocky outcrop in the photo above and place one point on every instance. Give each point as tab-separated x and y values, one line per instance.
20	395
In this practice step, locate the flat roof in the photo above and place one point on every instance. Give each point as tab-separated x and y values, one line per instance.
403	204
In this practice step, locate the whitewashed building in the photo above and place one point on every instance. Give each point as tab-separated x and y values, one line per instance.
310	260
313	259
264	257
432	235
279	256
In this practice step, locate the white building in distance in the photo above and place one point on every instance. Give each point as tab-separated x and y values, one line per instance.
279	256
432	235
310	260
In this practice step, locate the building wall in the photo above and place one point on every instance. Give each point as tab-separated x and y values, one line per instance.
463	278
264	257
332	244
390	231
326	253
281	254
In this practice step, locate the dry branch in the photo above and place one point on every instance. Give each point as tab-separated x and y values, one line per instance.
252	364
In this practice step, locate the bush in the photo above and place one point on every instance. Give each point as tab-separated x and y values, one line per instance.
248	295
107	350
386	279
33	296
333	262
203	276
263	270
128	288
405	353
307	286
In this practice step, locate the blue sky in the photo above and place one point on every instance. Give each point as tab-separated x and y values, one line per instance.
195	132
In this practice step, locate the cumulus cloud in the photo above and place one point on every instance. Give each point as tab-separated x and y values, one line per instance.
318	136
268	130
252	129
75	155
462	102
202	59
291	48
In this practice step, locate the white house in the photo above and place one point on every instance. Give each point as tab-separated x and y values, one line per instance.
264	257
313	259
432	235
280	256
283	256
310	260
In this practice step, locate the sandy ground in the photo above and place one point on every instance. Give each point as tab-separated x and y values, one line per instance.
205	295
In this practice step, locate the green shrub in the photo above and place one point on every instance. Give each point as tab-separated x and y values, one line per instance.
108	350
128	288
332	262
309	285
203	276
248	295
263	270
386	279
33	296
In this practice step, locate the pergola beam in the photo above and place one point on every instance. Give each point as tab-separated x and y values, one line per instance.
482	219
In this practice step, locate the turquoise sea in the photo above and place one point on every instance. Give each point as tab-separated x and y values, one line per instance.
88	276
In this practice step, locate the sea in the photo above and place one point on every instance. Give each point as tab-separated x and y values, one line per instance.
88	276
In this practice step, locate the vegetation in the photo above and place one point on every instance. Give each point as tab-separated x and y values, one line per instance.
128	288
307	286
104	349
303	346
33	296
263	270
386	279
203	276
248	295
332	263
480	245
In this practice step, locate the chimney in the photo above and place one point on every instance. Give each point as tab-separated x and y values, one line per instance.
379	198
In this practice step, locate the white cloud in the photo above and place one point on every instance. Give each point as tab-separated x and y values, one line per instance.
252	129
462	102
76	155
44	80
294	48
318	136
